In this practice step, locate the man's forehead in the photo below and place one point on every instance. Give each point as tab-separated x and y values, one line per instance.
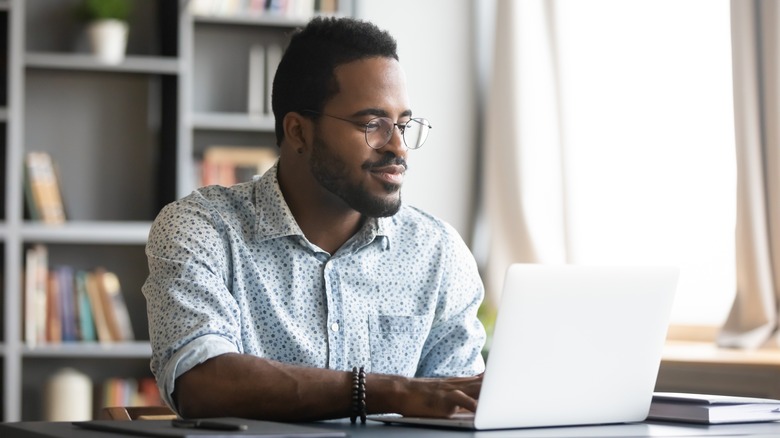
378	83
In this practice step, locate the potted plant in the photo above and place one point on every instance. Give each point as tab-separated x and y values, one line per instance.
107	27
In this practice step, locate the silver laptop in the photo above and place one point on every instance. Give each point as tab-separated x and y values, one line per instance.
572	345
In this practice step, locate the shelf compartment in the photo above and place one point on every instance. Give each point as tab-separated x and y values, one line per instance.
108	150
153	25
220	65
128	262
38	370
83	61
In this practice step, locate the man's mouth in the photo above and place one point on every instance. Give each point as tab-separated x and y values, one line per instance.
390	169
392	174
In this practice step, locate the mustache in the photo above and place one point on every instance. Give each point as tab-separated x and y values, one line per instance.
387	160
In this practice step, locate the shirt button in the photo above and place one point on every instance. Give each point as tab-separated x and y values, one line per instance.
334	326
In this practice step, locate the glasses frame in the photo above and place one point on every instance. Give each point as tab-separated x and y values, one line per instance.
401	127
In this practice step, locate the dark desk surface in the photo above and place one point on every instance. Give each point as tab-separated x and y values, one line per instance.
378	430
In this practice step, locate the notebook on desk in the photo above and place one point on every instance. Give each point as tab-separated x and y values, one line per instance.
572	345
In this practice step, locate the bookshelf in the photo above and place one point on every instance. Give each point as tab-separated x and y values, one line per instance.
127	139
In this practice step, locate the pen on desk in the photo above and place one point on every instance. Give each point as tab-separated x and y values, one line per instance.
207	424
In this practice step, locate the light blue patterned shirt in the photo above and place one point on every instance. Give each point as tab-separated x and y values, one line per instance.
231	272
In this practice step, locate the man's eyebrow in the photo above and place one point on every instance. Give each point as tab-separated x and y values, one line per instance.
379	113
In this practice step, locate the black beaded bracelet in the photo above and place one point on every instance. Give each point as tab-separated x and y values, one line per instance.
358	395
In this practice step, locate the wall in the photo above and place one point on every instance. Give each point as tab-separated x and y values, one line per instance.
435	45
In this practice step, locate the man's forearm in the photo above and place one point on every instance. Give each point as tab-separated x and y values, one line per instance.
239	385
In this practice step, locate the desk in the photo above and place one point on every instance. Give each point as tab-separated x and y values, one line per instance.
377	430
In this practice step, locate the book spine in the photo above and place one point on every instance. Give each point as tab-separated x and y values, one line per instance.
114	306
96	302
68	309
53	311
41	291
31	297
86	321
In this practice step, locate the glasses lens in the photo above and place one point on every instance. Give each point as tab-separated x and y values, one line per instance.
416	132
379	131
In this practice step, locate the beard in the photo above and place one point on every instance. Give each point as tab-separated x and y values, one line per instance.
333	174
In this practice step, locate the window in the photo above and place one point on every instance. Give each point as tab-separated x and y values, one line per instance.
646	99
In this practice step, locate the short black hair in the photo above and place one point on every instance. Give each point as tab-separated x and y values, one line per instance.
305	78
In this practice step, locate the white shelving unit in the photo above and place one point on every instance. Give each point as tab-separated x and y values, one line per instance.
126	138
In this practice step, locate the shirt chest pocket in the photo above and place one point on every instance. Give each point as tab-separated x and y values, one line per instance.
396	343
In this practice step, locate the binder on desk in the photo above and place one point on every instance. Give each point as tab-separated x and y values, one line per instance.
254	428
712	409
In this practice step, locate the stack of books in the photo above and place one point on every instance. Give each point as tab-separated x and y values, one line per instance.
64	304
120	391
228	165
712	409
300	9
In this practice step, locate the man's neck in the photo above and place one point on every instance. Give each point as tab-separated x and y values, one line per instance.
325	221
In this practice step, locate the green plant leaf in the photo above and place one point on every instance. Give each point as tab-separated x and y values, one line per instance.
105	9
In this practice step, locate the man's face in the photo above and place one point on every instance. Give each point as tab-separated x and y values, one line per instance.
367	180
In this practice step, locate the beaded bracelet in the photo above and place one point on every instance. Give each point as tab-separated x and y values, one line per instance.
358	395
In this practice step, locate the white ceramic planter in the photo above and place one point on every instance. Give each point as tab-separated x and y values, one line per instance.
108	39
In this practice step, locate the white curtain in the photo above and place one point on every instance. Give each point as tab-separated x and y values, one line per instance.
522	144
753	320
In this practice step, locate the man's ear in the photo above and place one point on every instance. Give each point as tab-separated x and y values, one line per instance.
297	131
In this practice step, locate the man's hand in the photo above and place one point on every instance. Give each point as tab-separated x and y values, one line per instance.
422	397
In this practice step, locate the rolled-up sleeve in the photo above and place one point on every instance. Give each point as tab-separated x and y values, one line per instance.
192	314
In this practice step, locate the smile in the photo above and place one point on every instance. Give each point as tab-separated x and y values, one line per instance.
393	174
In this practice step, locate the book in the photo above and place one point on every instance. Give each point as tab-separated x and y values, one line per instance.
114	307
96	303
148	393
30	297
30	206
68	310
712	409
328	7
35	290
302	9
45	198
228	165
86	322
204	7
53	309
256	75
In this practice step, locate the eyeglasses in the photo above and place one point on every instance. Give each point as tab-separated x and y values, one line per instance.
379	130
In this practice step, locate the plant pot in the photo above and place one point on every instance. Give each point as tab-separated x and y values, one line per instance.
108	39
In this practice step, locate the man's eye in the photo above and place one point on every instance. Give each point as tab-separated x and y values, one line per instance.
373	125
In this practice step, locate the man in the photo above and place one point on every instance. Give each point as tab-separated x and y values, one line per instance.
265	298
